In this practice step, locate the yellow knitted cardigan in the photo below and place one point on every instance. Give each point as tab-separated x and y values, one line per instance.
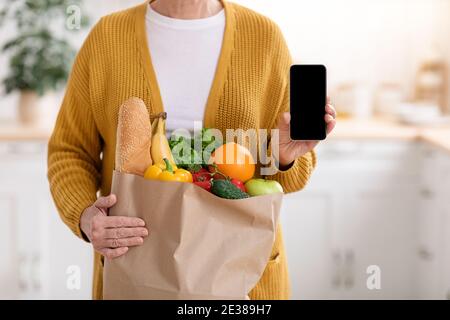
249	90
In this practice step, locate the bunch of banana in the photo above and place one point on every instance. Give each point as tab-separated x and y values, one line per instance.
160	148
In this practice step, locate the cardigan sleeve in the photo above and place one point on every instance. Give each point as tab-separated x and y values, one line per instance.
74	148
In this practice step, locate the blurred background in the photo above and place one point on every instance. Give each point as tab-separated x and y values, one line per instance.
374	222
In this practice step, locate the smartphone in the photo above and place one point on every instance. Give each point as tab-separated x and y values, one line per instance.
308	94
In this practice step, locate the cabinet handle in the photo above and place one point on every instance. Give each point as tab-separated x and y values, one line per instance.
20	149
341	149
336	278
349	274
36	272
426	193
425	254
23	267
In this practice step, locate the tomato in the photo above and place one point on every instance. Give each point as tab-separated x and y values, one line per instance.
201	175
239	184
204	185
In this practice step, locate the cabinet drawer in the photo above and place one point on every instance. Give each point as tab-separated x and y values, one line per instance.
12	150
22	162
376	149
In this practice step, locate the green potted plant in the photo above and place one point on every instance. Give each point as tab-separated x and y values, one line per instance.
40	56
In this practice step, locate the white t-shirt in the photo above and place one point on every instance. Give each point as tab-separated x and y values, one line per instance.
184	55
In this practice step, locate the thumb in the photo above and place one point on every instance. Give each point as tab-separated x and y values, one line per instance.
284	121
105	202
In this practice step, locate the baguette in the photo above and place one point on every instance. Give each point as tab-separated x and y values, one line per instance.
134	135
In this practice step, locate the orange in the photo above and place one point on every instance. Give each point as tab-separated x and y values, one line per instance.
235	161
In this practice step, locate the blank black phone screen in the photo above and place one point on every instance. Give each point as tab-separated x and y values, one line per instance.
308	93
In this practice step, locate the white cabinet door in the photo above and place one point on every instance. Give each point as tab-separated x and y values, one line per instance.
375	232
66	260
70	261
31	245
432	250
372	218
442	195
446	234
9	277
40	252
306	226
20	166
446	247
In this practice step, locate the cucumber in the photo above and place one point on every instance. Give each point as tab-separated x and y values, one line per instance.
225	189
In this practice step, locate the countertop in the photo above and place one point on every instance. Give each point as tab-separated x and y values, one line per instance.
379	128
11	132
440	137
371	129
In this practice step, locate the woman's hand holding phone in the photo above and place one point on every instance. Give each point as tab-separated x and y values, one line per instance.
289	149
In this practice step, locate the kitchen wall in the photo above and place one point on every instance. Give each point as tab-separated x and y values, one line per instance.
365	41
361	41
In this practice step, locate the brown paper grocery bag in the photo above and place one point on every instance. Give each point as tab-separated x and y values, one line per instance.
199	245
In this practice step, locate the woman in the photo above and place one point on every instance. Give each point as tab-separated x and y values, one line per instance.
200	59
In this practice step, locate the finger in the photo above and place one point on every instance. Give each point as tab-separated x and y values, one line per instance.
117	233
118	222
305	146
329	109
124	242
311	144
284	120
106	202
113	253
330	126
300	147
329	118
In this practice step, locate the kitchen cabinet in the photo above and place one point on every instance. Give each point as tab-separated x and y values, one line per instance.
306	222
444	290
373	220
8	274
366	205
433	218
375	229
446	232
38	246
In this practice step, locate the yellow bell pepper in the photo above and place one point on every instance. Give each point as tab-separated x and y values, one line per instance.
165	171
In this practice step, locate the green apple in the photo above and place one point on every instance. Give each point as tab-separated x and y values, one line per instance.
259	187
